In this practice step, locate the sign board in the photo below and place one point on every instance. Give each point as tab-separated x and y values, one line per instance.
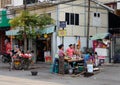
62	24
62	33
4	21
10	14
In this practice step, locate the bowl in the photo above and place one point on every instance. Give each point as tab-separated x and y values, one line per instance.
34	73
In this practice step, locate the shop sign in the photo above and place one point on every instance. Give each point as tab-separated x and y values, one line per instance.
62	24
62	33
4	21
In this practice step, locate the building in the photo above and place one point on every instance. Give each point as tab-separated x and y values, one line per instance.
3	3
75	15
114	28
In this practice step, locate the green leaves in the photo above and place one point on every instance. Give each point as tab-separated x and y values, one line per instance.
29	23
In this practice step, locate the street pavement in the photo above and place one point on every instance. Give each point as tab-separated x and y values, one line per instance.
109	75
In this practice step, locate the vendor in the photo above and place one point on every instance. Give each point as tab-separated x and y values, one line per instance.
70	51
77	51
61	55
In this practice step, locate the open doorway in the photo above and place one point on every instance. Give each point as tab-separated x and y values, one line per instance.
43	45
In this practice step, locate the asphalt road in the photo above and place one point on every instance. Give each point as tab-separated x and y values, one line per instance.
109	75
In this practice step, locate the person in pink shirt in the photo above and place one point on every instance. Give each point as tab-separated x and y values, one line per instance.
61	55
70	51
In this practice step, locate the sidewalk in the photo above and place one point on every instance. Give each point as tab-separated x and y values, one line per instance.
109	75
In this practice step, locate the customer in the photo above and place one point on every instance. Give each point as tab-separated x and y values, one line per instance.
55	64
33	57
70	51
86	58
61	55
92	58
96	59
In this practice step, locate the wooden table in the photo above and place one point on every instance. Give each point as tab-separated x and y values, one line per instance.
74	60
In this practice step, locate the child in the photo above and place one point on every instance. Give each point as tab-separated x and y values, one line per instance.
96	59
91	59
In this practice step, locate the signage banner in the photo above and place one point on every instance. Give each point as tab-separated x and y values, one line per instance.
62	33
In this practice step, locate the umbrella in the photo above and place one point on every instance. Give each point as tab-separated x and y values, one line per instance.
99	36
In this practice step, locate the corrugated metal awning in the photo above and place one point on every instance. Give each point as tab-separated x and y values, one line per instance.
46	30
12	32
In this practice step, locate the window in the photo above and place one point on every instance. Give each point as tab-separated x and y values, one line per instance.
72	19
30	1
67	18
96	19
97	15
76	19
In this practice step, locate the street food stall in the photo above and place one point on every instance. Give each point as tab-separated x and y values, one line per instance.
74	65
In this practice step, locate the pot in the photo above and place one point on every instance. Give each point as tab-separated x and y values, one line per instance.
34	73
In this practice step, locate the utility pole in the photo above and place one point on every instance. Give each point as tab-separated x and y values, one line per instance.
25	4
88	25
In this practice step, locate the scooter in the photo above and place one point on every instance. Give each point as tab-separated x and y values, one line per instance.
20	63
6	58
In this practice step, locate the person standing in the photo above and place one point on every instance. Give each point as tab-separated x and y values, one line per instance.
77	51
70	51
61	55
96	59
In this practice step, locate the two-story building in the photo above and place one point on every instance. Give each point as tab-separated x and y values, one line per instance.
75	14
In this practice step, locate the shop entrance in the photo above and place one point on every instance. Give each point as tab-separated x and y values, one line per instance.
117	49
43	46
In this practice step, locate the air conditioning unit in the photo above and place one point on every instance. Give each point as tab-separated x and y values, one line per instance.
17	2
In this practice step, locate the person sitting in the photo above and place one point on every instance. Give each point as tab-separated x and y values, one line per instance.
77	51
91	59
28	55
86	58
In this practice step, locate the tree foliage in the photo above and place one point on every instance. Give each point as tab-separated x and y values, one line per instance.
28	23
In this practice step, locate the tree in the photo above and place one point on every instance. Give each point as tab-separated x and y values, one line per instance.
27	24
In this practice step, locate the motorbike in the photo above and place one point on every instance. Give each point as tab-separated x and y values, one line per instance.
20	63
6	58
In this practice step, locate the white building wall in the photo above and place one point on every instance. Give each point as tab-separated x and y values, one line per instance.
58	14
17	2
73	30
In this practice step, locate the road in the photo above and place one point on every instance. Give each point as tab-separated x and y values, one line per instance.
109	75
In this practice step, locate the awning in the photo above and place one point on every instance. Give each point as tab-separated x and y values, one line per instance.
99	36
47	30
44	31
12	32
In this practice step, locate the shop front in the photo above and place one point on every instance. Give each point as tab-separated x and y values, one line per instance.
4	25
44	44
114	29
